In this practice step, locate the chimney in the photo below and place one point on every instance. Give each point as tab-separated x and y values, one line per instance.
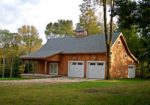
80	31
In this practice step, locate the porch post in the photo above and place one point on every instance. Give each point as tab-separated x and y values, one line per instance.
33	67
45	67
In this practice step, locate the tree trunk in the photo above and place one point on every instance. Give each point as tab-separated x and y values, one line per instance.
11	69
106	38
110	40
3	72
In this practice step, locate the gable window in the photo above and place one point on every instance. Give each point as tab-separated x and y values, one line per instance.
119	42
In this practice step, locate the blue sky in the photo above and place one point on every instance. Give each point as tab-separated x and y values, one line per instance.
15	13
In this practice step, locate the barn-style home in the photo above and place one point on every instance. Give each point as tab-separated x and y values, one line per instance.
84	56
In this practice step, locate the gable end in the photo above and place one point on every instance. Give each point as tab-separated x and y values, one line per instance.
122	39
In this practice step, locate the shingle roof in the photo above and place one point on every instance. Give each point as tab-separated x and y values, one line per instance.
40	54
89	44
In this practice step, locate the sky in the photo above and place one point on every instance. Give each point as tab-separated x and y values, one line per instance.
15	13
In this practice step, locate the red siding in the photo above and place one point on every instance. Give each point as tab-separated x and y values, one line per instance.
63	69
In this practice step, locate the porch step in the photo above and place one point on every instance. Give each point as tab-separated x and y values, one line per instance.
38	76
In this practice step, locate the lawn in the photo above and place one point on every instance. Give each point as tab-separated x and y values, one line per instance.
17	78
100	92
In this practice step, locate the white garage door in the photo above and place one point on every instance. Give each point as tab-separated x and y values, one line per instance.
76	68
96	69
131	71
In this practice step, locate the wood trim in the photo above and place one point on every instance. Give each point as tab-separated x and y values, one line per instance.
84	53
45	67
44	58
38	58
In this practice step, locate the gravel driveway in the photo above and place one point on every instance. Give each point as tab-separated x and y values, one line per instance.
48	80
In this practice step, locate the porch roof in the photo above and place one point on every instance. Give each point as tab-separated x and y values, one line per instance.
40	54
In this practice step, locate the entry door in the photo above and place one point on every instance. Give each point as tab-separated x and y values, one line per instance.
96	69
131	71
54	68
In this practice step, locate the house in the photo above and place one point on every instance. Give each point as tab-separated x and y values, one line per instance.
84	57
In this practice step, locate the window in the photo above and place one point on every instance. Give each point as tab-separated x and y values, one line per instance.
119	42
80	63
100	64
73	63
131	67
92	64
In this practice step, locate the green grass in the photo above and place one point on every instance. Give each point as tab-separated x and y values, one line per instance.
102	92
17	78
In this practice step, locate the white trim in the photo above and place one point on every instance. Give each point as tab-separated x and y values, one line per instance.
75	61
87	69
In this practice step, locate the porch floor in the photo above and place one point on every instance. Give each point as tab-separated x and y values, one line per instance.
27	75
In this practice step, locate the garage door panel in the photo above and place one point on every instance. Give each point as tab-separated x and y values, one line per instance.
96	69
76	69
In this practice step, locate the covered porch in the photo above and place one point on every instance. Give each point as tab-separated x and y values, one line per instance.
41	66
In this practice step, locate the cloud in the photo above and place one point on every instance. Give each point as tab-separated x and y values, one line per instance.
15	13
11	14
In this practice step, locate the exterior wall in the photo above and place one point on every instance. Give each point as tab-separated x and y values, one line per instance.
41	67
41	64
120	60
62	61
63	67
54	58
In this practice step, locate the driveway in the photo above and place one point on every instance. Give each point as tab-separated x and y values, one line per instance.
48	80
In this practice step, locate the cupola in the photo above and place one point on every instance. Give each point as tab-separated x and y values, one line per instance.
80	31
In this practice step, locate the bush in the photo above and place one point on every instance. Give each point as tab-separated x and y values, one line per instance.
145	72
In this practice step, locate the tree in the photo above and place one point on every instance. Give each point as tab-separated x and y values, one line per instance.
135	16
5	39
108	35
12	45
134	21
14	51
126	10
88	19
60	28
143	17
30	40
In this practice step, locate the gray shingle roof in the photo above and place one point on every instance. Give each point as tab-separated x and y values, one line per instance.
40	54
89	44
